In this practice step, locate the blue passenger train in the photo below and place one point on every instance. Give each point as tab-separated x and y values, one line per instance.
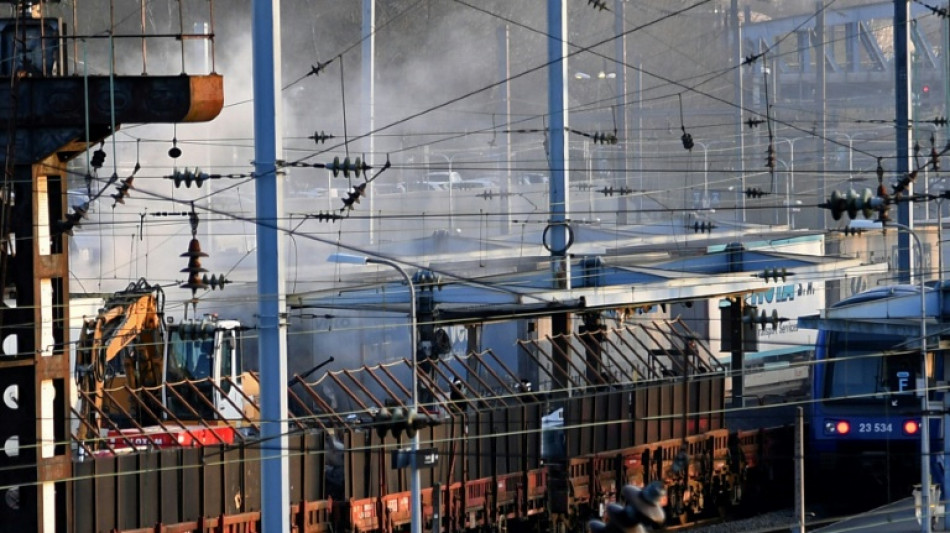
865	414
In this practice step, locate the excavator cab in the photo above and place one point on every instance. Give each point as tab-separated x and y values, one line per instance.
203	369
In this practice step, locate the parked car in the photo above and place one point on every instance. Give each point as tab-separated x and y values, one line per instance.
388	188
443	180
421	185
479	183
533	179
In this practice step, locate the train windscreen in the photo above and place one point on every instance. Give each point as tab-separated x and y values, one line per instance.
866	368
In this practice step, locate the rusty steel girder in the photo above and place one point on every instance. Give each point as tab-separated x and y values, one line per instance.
52	113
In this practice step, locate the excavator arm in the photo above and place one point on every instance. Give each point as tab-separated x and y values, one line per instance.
133	325
130	325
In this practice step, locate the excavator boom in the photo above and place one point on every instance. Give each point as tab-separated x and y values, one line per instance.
128	329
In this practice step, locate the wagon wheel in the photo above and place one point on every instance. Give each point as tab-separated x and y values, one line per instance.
720	495
677	507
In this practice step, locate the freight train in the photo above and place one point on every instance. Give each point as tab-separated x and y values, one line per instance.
501	454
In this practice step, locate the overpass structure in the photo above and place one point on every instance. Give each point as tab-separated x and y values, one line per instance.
858	55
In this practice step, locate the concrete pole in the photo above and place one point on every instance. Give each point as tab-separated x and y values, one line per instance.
620	57
558	196
945	486
945	37
740	133
905	212
504	64
558	192
822	107
272	346
800	468
945	482
638	124
368	100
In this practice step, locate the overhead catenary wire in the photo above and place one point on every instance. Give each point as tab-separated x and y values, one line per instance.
291	233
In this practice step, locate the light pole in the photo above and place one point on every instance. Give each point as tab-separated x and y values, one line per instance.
788	193
924	403
451	187
415	501
850	154
602	76
791	173
705	202
596	104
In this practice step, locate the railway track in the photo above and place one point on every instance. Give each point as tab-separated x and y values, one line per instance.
775	521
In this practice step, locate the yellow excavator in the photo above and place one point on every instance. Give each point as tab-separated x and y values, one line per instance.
134	368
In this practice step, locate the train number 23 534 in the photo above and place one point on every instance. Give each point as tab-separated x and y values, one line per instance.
876	427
